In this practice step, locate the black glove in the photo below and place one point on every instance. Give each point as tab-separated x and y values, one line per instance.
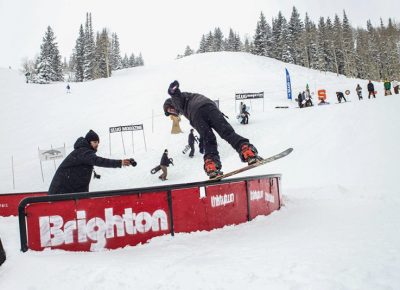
173	88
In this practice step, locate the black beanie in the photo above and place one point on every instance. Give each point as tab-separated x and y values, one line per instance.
92	136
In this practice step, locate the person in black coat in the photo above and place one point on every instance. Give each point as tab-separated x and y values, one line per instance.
164	163
191	140
73	174
371	90
205	116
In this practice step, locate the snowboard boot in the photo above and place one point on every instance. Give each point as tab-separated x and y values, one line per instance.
248	153
212	167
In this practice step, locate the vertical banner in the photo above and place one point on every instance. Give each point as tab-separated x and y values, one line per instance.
288	85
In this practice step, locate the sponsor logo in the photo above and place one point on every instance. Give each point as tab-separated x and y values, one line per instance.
222	200
259	194
54	232
3	205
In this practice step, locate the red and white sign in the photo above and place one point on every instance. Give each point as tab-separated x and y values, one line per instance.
224	204
263	197
94	224
9	202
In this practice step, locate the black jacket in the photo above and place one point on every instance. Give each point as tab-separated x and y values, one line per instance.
165	160
189	104
191	139
371	87
73	174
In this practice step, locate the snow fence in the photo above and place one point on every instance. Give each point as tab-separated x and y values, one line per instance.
114	219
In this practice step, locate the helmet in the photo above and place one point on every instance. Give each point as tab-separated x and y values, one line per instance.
169	108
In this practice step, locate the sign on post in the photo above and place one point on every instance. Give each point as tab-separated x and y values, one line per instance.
127	128
249	96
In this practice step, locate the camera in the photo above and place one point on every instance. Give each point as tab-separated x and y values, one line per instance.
133	162
95	175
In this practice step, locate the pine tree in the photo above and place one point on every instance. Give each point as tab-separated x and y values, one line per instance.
217	44
247	46
80	56
89	50
188	51
139	60
116	61
323	46
348	47
277	40
202	46
284	43
262	37
132	60
338	45
296	42
125	62
103	47
49	65
209	42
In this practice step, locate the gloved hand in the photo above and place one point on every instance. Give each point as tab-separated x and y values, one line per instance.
173	88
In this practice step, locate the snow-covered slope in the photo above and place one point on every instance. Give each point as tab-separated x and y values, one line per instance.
337	230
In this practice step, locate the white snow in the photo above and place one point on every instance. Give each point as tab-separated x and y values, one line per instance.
338	229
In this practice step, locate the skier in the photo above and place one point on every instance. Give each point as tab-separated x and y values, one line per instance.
191	140
359	92
387	85
164	163
73	174
68	89
204	116
340	96
371	90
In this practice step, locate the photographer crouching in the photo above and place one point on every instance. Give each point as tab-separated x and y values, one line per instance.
73	174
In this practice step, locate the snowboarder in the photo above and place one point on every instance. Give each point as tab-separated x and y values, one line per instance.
244	114
300	100
307	98
73	174
204	116
68	89
395	87
387	86
359	92
191	140
164	163
340	96
371	90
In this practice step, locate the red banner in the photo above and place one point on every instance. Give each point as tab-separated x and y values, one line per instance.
9	202
222	205
94	224
263	196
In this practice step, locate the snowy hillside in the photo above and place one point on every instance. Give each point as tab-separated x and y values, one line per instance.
337	230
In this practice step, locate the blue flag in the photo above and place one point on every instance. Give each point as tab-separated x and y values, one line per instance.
288	85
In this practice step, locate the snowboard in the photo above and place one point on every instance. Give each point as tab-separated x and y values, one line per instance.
186	149
258	163
155	169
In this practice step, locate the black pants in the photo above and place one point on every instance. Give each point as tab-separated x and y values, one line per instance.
209	117
371	93
191	150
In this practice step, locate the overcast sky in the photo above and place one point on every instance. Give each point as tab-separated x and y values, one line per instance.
158	29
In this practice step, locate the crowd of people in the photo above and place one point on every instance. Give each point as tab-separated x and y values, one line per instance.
304	98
